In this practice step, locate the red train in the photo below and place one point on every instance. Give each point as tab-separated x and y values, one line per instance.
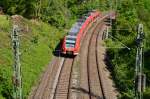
71	42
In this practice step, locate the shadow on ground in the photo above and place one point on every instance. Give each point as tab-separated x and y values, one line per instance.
108	62
82	90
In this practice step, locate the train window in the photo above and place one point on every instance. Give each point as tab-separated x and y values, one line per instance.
70	45
70	41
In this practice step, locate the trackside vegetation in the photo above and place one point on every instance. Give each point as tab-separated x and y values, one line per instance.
38	40
42	28
130	14
45	22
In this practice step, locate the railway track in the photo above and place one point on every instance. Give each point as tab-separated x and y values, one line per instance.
61	80
63	84
44	84
108	86
94	77
57	74
39	90
90	79
55	83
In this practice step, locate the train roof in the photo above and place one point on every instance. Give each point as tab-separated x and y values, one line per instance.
69	36
76	27
74	30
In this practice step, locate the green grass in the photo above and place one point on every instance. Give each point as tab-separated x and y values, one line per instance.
36	46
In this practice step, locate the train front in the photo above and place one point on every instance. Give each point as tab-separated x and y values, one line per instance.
69	45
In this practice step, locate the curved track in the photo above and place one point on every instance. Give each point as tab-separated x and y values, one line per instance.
91	87
94	77
61	81
55	80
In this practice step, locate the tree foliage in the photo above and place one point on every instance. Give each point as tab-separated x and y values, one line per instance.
62	13
130	13
55	12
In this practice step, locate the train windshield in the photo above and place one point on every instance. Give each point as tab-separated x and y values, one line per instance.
70	41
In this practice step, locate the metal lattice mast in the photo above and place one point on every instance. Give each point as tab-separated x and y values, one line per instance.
139	75
17	90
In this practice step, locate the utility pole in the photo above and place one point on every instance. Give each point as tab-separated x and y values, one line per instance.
17	83
140	78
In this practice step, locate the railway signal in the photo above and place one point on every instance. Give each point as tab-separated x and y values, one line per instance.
17	82
140	78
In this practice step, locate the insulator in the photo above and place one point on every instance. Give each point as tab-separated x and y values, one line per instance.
104	35
143	82
107	33
140	28
139	83
14	80
136	82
